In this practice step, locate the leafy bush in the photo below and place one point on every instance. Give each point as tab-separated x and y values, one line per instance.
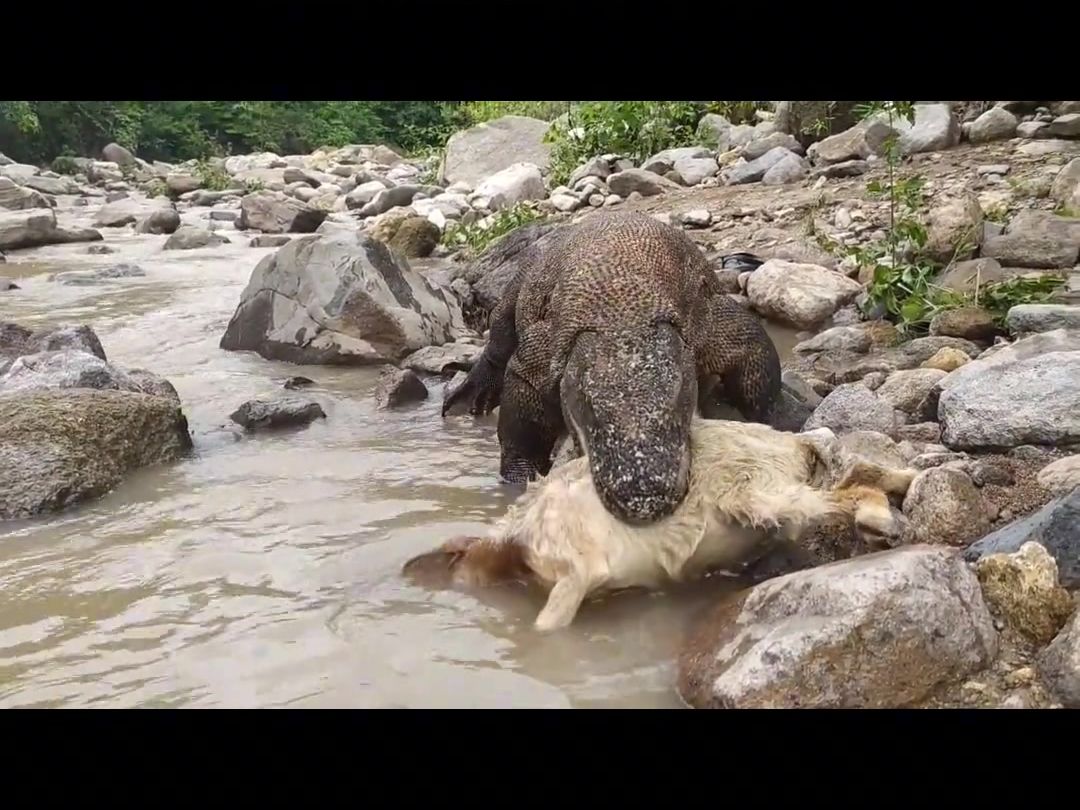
213	178
475	237
65	164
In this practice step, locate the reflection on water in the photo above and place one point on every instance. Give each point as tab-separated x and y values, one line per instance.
263	570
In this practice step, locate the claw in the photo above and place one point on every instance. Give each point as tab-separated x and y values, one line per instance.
483	386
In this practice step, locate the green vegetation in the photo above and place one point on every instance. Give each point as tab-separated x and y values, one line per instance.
213	177
903	278
475	238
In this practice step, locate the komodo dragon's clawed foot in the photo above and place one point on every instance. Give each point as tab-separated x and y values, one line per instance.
483	388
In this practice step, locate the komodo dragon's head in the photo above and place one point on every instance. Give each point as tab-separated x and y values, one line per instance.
629	398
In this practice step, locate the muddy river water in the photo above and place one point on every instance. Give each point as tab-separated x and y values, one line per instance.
264	571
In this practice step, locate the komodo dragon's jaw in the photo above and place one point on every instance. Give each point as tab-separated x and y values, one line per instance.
629	397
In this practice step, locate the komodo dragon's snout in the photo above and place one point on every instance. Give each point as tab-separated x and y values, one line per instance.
628	397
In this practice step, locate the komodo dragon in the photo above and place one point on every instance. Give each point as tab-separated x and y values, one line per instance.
616	328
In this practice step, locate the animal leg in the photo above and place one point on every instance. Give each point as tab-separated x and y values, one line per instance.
563	603
733	345
484	383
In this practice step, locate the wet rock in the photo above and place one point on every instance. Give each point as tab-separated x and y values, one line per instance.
505	189
1022	589
1059	665
83	278
341	300
286	411
1037	239
1061	476
441	359
415	238
905	390
162	221
1032	401
59	447
37	227
956	230
1056	527
944	507
274	212
1028	318
853	407
477	153
801	295
879	631
399	387
970	323
15	197
73	368
296	383
268	240
996	124
192	237
125	211
5	285
647	184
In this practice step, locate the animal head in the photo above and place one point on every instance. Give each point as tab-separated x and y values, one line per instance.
628	397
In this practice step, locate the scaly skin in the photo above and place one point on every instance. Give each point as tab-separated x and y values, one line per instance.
610	330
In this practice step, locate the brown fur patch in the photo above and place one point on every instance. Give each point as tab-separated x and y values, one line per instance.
473	561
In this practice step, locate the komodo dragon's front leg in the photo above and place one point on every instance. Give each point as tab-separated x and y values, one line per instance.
731	344
483	386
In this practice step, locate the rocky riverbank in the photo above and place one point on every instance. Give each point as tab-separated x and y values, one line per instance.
986	405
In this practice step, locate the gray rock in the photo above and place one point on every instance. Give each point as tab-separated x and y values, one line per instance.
36	227
14	197
1026	318
996	124
801	295
366	192
1043	148
970	323
789	169
274	212
115	153
936	128
1061	476
1056	527
759	146
74	368
18	172
60	447
516	183
905	390
1032	129
182	182
694	170
1065	126
162	221
929	432
647	184
203	198
843	147
956	229
754	170
191	237
714	130
847	168
884	630
965	276
944	506
51	185
399	387
477	153
126	211
345	300
1031	401
1065	187
853	406
83	278
1037	239
1059	664
664	161
284	411
267	240
445	358
846	338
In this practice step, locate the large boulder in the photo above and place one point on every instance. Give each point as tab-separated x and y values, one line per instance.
161	221
647	184
474	154
115	153
274	212
16	341
346	300
59	447
192	237
1037	239
52	185
37	227
18	172
514	184
936	128
14	197
800	295
1059	664
75	368
996	124
128	210
1026	318
884	630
